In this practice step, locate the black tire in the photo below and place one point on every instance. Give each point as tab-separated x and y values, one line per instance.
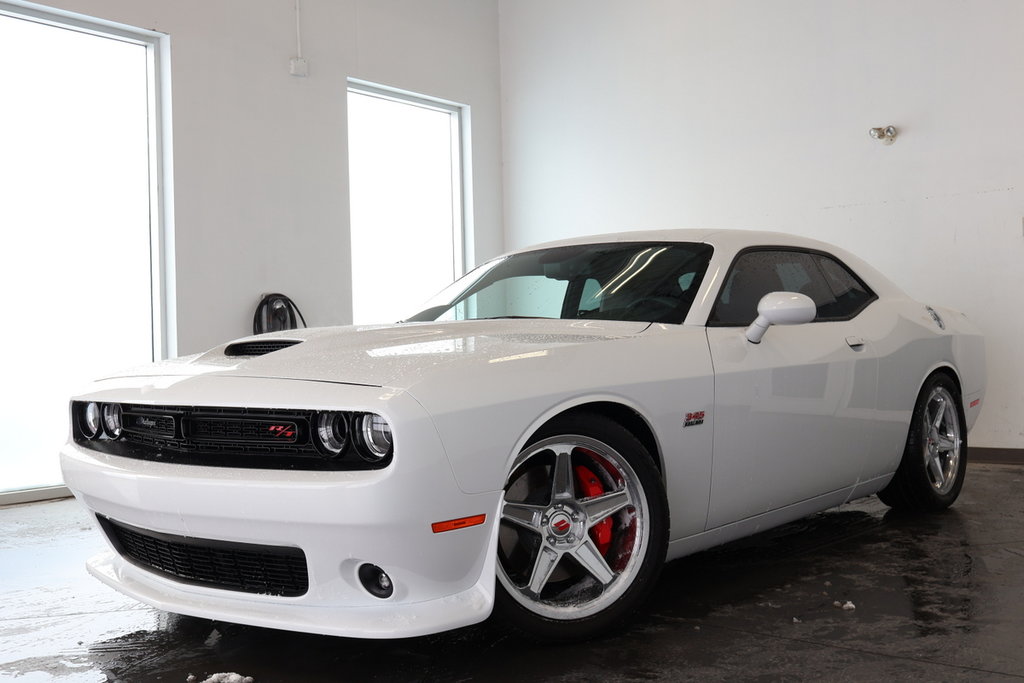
931	473
584	531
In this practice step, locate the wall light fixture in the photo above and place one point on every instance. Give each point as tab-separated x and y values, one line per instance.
886	135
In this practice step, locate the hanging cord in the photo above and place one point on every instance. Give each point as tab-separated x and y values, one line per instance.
298	30
276	312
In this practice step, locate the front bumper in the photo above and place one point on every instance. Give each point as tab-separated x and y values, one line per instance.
340	520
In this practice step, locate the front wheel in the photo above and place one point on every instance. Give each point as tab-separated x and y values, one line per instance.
583	530
931	473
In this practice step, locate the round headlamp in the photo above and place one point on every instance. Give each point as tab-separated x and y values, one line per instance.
90	420
112	420
331	433
375	433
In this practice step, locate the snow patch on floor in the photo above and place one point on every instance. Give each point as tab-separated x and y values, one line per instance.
221	678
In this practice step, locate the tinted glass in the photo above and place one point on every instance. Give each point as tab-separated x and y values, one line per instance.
849	295
836	292
653	282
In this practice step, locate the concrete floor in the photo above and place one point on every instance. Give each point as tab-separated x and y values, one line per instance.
937	598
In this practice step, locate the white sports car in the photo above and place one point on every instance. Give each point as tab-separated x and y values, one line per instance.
539	440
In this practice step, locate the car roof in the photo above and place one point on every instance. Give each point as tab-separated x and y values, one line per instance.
723	238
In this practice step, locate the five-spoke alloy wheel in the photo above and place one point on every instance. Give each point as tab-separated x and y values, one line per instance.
931	472
943	440
583	529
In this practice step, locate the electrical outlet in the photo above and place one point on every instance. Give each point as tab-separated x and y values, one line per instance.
298	67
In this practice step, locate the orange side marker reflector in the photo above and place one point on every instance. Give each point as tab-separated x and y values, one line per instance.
461	523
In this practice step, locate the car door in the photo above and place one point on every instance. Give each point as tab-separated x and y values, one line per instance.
792	413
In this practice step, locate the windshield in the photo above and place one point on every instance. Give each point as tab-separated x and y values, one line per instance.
651	282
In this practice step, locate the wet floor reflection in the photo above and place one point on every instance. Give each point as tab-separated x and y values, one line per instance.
933	596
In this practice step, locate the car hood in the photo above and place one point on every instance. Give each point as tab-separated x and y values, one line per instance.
397	356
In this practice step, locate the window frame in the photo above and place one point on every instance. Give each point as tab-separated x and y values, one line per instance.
799	250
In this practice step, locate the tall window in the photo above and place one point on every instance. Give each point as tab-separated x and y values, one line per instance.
80	257
405	179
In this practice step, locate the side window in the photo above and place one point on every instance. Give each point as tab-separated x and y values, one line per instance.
849	294
799	273
753	275
836	292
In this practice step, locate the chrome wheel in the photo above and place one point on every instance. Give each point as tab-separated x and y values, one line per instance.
942	442
931	472
575	528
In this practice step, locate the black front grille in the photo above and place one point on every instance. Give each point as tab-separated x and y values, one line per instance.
221	437
148	423
231	432
245	567
258	348
245	430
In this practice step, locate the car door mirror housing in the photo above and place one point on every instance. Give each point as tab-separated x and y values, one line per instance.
780	308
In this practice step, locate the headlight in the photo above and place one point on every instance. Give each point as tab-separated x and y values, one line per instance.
89	420
331	433
375	435
112	420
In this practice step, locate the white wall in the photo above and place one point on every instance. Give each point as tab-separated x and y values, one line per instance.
744	113
260	157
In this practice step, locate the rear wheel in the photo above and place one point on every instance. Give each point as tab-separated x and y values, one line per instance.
583	530
931	472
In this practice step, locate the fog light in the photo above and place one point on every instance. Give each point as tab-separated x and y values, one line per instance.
112	420
90	420
376	581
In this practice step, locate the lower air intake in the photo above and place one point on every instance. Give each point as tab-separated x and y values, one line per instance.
249	568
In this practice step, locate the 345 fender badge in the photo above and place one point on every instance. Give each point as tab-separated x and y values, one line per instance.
693	419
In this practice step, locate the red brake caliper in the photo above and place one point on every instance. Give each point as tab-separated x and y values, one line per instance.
590	486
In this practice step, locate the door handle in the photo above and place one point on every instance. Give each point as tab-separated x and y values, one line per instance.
856	343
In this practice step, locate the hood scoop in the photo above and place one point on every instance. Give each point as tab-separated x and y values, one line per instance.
259	348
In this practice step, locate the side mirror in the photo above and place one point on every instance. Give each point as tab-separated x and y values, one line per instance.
780	308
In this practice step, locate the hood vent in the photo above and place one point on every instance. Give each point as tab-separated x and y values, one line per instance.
259	348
